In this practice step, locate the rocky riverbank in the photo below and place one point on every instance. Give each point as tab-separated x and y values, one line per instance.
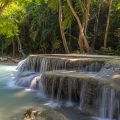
9	60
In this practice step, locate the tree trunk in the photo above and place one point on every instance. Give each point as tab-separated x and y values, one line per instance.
20	47
87	16
107	25
96	27
83	43
13	42
62	29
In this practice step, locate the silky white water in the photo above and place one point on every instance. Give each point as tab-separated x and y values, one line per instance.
15	100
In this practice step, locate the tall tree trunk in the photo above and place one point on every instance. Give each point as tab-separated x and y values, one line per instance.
13	43
83	43
20	47
96	26
87	15
62	29
107	25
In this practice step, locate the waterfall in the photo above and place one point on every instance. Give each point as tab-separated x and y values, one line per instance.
109	103
104	102
82	96
44	65
35	63
70	79
37	81
41	64
59	89
34	83
53	89
21	65
70	87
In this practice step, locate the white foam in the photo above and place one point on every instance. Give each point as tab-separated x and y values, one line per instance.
53	104
28	90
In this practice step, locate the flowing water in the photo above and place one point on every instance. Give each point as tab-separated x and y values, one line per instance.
92	97
14	100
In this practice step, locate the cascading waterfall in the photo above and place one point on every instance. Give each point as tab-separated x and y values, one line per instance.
70	87
39	65
59	89
82	96
112	104
105	102
37	81
44	65
42	72
53	89
108	103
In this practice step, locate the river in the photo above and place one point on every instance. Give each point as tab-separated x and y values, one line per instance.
15	100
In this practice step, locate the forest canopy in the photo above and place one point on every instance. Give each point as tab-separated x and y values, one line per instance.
59	26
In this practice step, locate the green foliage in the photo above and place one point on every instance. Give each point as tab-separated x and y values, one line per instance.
11	18
36	23
8	27
107	51
53	4
68	18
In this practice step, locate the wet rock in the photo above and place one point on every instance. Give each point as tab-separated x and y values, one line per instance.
43	114
70	83
3	59
36	62
9	60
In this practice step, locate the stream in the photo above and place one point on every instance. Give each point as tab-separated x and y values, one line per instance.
14	100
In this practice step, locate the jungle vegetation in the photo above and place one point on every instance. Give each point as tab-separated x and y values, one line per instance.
59	26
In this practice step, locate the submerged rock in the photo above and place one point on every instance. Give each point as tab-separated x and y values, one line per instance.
43	114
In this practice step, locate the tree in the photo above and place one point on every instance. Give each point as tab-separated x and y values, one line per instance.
48	26
83	43
107	24
10	19
61	28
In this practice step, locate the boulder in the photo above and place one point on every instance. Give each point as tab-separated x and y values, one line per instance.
43	114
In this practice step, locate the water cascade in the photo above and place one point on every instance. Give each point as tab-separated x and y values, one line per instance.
89	82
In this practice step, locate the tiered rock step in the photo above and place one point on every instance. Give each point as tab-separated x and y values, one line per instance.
94	94
69	77
66	79
74	56
62	62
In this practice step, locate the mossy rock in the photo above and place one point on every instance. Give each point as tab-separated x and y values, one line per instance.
43	114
